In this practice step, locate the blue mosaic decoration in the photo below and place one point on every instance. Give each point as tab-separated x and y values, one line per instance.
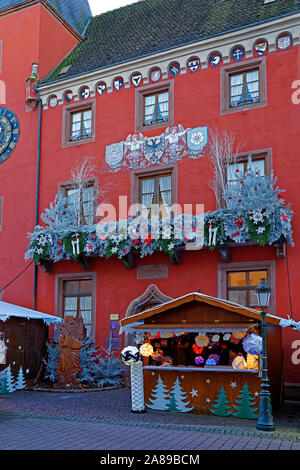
238	54
9	133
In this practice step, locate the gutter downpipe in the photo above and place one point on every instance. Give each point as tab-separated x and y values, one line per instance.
37	194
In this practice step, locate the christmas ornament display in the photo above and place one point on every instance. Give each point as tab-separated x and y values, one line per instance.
212	360
197	349
252	344
199	360
157	355
130	355
146	349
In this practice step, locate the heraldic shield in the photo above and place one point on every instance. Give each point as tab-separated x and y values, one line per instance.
197	138
114	154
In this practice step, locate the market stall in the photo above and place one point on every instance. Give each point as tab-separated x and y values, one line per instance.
23	334
202	354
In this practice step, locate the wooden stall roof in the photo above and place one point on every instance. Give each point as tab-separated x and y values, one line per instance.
202	298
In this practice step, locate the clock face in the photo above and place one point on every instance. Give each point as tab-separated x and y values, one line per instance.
9	133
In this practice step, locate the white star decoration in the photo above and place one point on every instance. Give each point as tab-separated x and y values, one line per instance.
27	371
194	393
208	381
256	394
208	400
233	384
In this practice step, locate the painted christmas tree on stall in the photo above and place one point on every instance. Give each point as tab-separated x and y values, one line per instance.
20	383
3	382
245	405
177	402
10	383
221	406
160	400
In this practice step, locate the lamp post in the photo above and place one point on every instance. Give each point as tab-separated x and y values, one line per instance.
265	419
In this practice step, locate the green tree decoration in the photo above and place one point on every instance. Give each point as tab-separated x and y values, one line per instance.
160	400
245	404
177	402
221	406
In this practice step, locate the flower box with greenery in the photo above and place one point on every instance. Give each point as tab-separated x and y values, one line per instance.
255	212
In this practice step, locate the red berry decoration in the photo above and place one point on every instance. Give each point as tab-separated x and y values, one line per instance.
242	181
229	197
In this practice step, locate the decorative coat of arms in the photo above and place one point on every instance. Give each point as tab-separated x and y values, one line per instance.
194	65
134	150
174	69
136	79
155	75
284	41
154	148
85	93
238	54
118	83
261	47
215	59
138	151
114	154
197	138
101	87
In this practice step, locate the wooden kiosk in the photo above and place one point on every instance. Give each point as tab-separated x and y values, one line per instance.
194	359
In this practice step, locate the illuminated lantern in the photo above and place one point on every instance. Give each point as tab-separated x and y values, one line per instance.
252	344
130	355
146	349
252	362
239	363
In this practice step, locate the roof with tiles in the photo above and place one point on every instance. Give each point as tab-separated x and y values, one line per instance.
151	26
76	12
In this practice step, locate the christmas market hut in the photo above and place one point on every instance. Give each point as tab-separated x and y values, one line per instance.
23	336
203	354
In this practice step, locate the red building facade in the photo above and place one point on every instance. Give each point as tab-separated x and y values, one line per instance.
148	121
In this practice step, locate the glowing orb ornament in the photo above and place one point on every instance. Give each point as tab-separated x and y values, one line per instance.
201	340
146	349
239	363
130	355
252	344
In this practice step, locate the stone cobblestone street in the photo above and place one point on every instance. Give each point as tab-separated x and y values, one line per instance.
102	420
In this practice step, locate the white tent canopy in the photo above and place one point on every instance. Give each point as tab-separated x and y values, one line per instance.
10	310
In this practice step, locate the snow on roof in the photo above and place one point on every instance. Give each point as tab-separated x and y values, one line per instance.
10	310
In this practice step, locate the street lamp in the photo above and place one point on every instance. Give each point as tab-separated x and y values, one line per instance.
265	419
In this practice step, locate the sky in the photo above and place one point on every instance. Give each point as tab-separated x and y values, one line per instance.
100	6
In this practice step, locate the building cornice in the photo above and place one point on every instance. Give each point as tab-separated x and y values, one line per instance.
246	37
55	13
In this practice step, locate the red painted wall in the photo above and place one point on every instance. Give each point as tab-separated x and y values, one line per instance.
197	103
30	35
